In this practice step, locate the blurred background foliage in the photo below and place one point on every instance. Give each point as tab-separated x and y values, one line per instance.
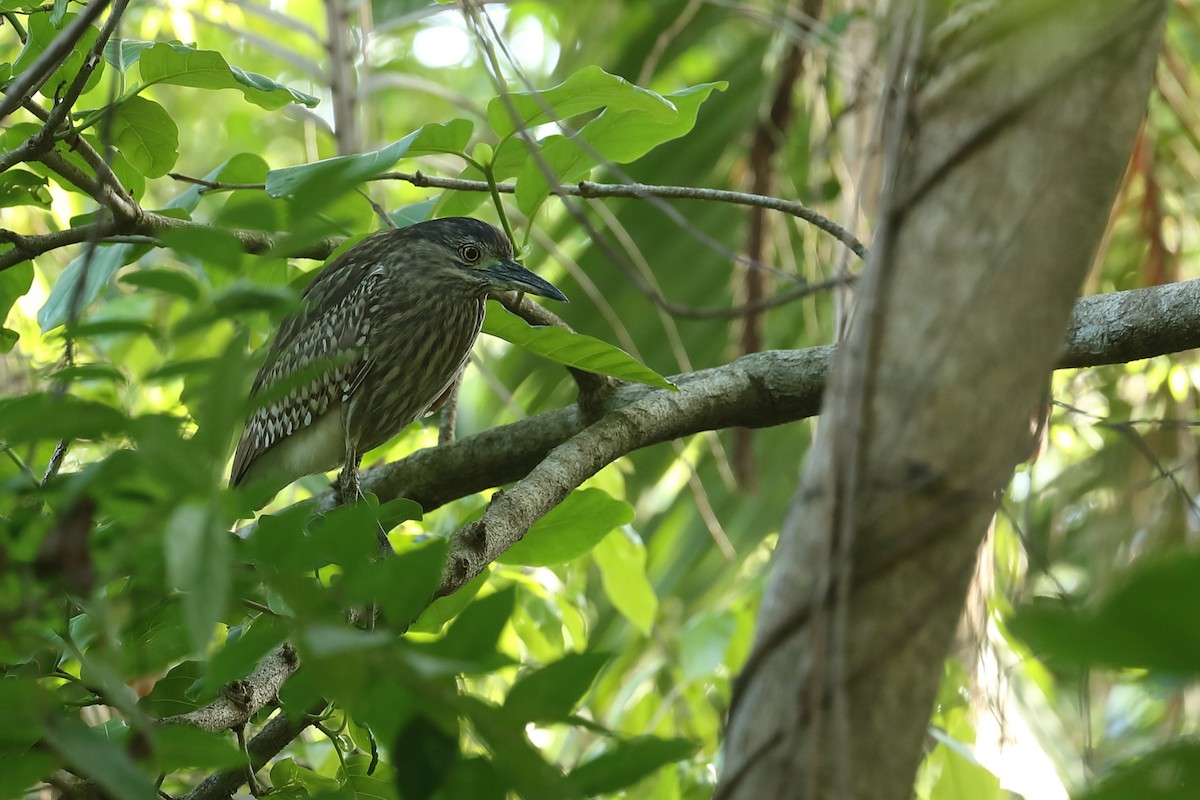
641	636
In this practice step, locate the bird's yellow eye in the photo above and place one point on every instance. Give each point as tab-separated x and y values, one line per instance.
470	253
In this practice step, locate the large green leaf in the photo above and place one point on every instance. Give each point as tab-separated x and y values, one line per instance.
198	551
626	763
14	283
68	299
41	32
588	89
104	761
618	136
19	187
185	747
146	134
340	173
621	558
41	416
704	641
1146	622
570	349
1171	772
570	529
181	65
553	691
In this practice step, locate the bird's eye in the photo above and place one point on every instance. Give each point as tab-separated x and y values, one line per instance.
470	253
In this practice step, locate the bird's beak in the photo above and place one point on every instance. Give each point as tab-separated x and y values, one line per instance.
508	274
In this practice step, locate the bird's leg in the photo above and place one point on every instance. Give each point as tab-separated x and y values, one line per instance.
349	490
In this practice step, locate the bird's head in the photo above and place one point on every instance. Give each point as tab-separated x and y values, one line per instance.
482	254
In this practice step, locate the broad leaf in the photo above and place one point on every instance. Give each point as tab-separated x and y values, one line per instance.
552	692
41	32
1143	623
198	550
617	136
19	187
146	134
91	754
570	349
627	763
588	89
570	529
68	300
621	558
181	65
41	416
334	175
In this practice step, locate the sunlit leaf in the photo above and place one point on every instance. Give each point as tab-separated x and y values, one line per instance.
337	174
570	349
41	32
181	65
621	557
147	135
553	691
586	90
626	763
617	135
570	529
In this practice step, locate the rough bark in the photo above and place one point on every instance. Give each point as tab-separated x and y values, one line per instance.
1009	159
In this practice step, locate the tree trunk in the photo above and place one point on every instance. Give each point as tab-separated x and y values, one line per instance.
1004	142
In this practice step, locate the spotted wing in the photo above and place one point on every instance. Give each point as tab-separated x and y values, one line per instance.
318	356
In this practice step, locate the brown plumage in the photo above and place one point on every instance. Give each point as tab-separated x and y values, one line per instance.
384	335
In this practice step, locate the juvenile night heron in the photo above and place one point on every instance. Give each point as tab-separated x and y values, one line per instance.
385	333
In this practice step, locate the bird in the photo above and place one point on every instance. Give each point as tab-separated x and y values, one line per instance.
382	337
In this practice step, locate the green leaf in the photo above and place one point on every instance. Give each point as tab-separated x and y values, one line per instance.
14	283
124	53
617	136
1171	772
570	349
41	416
93	756
1145	622
570	529
174	692
959	774
627	763
168	281
184	747
198	551
332	176
180	65
472	637
65	297
425	754
586	90
703	642
621	557
240	654
20	187
146	134
553	691
42	32
407	581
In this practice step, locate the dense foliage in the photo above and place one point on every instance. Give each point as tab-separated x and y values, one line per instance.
596	657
